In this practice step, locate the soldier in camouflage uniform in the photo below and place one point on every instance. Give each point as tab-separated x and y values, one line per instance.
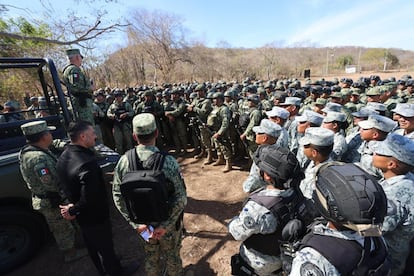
202	108
165	242
177	122
79	86
292	105
218	123
404	115
38	168
121	113
105	123
255	117
395	158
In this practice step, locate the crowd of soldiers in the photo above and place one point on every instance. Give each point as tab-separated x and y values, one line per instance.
217	119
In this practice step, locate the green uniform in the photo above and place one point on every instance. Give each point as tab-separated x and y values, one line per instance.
169	245
219	121
255	118
79	86
179	134
38	168
202	107
122	127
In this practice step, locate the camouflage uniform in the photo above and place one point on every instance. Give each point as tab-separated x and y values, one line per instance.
366	159
122	127
307	185
202	107
255	118
256	219
308	261
398	226
169	245
106	125
79	87
38	168
340	146
177	123
218	121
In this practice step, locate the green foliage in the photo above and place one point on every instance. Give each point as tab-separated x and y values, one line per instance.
343	61
377	57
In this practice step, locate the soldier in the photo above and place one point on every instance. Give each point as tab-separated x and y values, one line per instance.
255	117
404	115
106	124
165	241
177	122
218	122
317	146
38	168
354	103
395	158
79	86
279	116
121	113
165	131
389	97
336	121
131	98
257	226
320	104
343	243
267	133
33	108
202	108
292	105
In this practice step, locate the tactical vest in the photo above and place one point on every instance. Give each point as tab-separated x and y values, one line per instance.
120	109
359	260
281	208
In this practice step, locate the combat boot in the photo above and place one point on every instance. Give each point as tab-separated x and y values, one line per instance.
200	154
228	166
209	157
220	160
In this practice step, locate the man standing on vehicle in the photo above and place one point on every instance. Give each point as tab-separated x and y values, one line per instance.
79	86
38	168
165	239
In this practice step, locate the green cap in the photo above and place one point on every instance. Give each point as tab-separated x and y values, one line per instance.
346	91
72	52
355	91
337	95
35	128
143	124
321	101
374	91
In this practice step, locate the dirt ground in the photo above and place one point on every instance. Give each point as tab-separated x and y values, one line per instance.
213	199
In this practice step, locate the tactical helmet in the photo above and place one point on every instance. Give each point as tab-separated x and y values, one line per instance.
218	95
199	87
228	93
253	98
347	195
280	164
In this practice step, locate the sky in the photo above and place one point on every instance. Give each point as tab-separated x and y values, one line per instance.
251	24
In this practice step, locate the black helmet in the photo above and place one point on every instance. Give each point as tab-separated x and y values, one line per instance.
280	164
218	95
347	195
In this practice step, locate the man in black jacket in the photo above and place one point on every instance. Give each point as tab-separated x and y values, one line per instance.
82	181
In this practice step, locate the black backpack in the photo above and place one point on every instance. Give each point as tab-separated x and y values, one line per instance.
144	189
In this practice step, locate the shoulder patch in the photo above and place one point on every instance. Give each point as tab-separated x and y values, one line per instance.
43	171
310	269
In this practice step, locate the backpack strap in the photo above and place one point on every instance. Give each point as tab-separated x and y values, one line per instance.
133	160
155	162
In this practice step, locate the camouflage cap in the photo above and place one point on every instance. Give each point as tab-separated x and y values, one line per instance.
332	107
35	127
292	101
253	98
320	101
404	109
310	116
337	95
356	91
364	112
346	91
317	136
278	112
374	91
397	146
379	122
268	127
376	106
333	116
72	52
143	124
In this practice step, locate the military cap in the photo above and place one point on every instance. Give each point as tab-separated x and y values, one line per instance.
291	101
200	87
327	90
148	93
144	124
218	95
364	112
209	95
228	93
410	82
35	127
118	93
268	127
72	52
317	89
356	91
193	95
346	91
377	106
404	109
253	98
336	88
261	91
268	85
347	80
379	122
159	94
333	116
332	107
374	91
310	116
320	101
401	82
317	136
278	112
337	94
375	77
397	146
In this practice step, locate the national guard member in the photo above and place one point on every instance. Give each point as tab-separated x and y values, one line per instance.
218	122
121	113
349	240
255	116
176	120
165	241
395	158
336	121
258	226
292	105
202	108
404	114
38	168
279	116
79	86
105	123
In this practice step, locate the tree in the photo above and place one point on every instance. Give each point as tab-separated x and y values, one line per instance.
343	61
380	59
162	38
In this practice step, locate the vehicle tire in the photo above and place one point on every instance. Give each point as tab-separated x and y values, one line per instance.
21	234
